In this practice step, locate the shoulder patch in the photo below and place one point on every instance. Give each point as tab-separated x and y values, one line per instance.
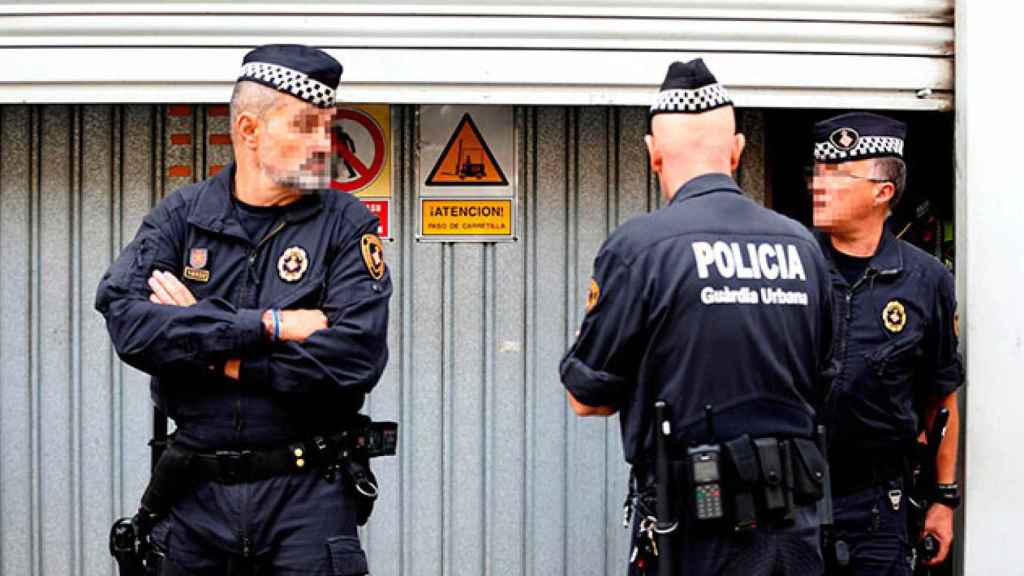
894	316
593	295
373	255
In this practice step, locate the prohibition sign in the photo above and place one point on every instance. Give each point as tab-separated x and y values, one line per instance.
366	174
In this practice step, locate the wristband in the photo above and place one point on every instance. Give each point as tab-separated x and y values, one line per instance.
276	315
947	494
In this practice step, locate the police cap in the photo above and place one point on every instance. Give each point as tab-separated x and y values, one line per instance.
306	73
857	136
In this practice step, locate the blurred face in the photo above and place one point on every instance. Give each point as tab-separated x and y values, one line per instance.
845	194
294	150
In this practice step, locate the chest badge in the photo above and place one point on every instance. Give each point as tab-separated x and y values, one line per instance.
373	255
593	295
894	316
196	270
292	264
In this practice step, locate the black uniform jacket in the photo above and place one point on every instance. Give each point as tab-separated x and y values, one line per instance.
322	254
896	343
712	299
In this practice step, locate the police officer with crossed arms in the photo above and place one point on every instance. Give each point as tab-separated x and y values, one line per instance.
258	301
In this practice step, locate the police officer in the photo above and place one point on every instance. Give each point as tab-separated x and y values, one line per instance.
710	301
896	342
258	301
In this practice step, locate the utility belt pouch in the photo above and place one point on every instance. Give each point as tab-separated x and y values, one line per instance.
770	461
378	439
786	454
808	471
744	461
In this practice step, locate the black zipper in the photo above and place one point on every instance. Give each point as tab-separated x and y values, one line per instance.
239	424
868	275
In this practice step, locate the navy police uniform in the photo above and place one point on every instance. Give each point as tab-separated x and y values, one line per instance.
896	345
320	252
711	299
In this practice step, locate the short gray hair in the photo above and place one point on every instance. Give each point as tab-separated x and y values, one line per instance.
251	97
894	170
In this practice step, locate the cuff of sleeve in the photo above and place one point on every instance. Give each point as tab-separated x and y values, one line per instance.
250	328
947	380
591	387
254	371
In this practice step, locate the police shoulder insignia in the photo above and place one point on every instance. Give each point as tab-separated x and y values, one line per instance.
894	316
844	138
593	295
292	264
373	255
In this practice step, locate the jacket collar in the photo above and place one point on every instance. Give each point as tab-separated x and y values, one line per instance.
214	210
706	184
888	258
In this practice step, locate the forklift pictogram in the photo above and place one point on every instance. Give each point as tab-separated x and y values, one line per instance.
467	160
472	165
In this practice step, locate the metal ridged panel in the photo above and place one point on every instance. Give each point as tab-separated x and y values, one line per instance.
921	11
495	474
476	32
778	53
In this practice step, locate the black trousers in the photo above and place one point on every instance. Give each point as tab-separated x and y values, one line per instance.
874	531
299	524
769	550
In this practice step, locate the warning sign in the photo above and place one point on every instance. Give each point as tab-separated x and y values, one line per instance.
462	217
361	146
467	160
466	151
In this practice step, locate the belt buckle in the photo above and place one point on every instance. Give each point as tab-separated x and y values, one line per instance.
233	466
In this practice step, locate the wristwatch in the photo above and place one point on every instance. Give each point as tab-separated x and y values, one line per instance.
948	494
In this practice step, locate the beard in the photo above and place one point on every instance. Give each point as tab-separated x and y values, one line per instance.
312	175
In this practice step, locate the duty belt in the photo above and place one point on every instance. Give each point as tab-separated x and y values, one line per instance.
322	453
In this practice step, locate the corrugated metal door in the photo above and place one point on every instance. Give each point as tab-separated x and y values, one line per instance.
495	475
772	53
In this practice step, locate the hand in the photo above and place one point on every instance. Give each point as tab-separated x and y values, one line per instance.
297	325
169	290
233	368
939	523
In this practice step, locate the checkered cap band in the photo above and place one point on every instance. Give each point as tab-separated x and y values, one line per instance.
867	146
291	81
697	100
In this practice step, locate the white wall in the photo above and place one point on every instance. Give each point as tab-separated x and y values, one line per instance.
990	213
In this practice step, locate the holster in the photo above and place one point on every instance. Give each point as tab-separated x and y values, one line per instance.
364	487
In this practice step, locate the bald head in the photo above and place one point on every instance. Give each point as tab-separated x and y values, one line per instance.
684	146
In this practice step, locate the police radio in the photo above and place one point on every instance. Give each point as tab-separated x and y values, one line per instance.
705	466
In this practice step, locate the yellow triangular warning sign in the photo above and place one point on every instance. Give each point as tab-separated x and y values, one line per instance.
466	160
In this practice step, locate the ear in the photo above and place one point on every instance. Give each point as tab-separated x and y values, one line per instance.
247	130
885	193
653	154
739	142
